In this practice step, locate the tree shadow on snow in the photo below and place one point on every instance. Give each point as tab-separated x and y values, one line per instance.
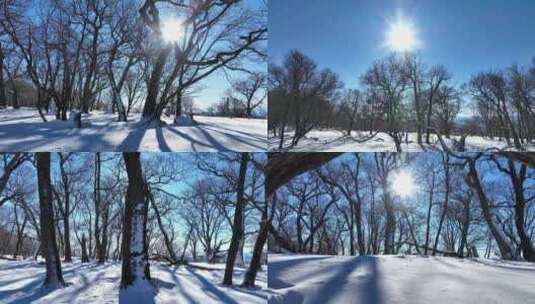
133	140
367	290
365	287
183	292
164	147
276	269
211	289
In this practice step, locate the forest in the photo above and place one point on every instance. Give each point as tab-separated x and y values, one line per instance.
429	203
186	219
99	63
403	102
461	209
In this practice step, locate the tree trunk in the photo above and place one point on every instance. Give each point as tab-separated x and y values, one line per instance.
166	239
517	179
445	161
54	276
178	111
135	264
237	226
85	257
66	210
3	101
430	206
67	238
256	262
473	181
390	225
98	243
153	87
20	232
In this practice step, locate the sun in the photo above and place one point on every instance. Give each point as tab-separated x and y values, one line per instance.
402	183
402	36
172	30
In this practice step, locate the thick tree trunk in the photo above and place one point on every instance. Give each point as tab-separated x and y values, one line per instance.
153	87
54	276
237	225
135	267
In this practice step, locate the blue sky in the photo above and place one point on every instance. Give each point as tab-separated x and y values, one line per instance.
347	36
214	87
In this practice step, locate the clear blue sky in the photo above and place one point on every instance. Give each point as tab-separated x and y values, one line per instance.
467	36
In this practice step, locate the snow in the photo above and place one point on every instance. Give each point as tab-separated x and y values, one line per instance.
184	120
338	141
23	130
398	279
21	282
141	291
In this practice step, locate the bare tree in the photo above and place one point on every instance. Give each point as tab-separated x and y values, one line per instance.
387	80
250	91
135	258
54	275
237	225
217	33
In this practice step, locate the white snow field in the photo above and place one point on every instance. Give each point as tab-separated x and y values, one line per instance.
20	283
24	130
398	279
338	141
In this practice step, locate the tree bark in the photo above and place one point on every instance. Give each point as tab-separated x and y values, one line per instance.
54	276
135	264
153	87
237	225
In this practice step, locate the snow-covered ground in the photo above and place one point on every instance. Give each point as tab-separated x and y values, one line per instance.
23	130
338	141
398	279
20	283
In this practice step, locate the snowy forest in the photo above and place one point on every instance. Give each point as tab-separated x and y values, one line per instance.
120	69
401	103
456	220
188	229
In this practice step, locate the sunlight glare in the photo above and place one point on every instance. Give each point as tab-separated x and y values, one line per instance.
172	31
403	184
402	36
